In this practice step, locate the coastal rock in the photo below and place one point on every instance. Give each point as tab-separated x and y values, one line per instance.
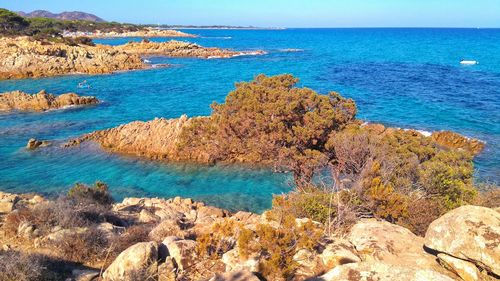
144	33
165	229
233	261
41	101
158	139
381	241
23	57
457	141
373	270
239	275
34	144
338	253
309	263
8	202
466	270
183	252
175	48
84	274
470	233
167	270
138	260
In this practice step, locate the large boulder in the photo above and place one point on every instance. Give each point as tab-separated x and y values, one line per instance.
470	233
379	271
234	261
138	260
382	241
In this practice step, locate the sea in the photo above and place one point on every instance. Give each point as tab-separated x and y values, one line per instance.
406	78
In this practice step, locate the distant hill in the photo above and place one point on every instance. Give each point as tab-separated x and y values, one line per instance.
62	16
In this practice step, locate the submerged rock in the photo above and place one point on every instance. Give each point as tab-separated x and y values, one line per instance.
41	101
470	233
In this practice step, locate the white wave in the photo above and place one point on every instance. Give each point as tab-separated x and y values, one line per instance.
290	50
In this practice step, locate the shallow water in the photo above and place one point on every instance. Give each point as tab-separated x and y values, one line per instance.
409	78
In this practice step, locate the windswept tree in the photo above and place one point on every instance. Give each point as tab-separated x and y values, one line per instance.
269	119
11	23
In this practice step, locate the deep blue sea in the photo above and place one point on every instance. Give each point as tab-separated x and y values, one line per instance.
408	78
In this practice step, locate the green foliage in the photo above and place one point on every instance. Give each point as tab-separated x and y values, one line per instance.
277	244
98	193
268	120
11	23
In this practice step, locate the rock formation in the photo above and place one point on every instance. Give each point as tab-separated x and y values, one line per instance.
145	33
157	139
468	233
464	241
454	140
22	58
181	49
41	101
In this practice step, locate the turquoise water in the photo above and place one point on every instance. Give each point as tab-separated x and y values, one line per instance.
408	78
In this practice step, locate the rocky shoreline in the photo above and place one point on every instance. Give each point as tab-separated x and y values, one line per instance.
145	33
23	57
42	101
461	245
175	48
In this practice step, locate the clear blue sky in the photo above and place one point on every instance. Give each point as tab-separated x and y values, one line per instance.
283	13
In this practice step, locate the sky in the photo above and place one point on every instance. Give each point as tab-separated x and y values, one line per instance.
282	13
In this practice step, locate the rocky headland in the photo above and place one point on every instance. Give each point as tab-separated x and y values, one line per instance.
23	57
180	239
42	101
143	33
175	48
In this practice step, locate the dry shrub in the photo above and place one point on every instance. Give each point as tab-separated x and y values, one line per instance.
276	246
86	247
17	266
218	241
421	213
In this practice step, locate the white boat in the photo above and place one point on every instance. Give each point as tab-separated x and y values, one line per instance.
469	62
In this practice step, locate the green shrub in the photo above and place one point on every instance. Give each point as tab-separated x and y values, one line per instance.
97	194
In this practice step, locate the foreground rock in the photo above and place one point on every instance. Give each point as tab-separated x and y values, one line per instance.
469	233
23	58
137	261
181	49
368	271
41	101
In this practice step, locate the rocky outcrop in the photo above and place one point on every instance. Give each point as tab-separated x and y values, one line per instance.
454	140
157	139
41	101
469	233
380	271
463	243
144	33
181	49
137	261
34	144
23	58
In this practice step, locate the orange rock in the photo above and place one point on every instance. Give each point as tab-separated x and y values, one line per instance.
457	141
42	101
